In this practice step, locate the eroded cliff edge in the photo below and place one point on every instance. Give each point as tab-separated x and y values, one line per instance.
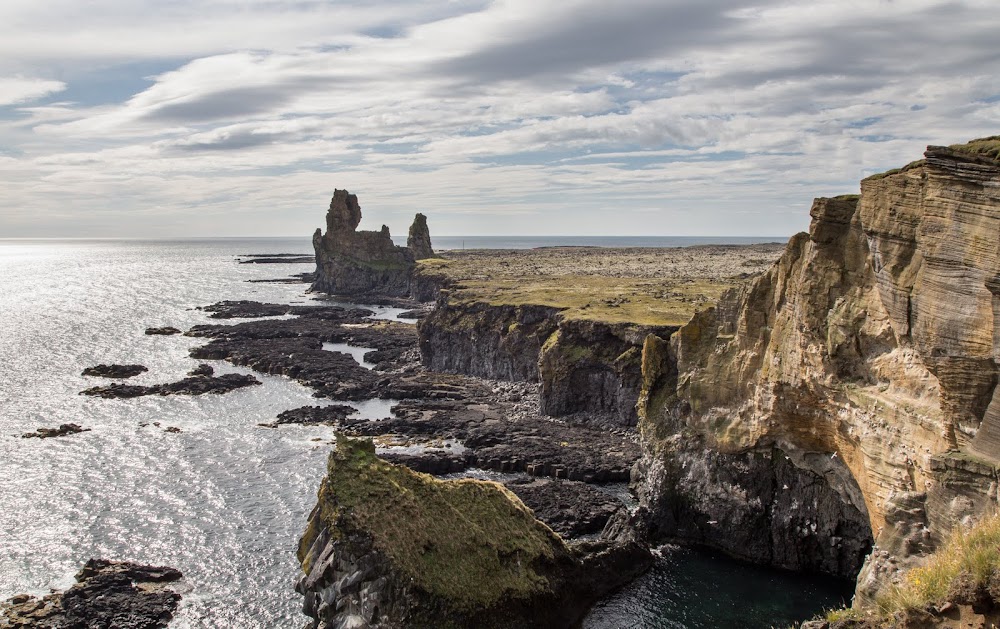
861	368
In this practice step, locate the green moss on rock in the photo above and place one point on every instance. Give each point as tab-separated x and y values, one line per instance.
472	543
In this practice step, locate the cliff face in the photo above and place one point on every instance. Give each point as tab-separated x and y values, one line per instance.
388	547
352	262
582	365
865	357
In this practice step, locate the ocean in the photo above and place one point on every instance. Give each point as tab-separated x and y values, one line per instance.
224	500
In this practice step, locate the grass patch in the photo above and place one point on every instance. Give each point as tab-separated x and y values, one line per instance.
966	562
597	298
472	542
973	553
986	147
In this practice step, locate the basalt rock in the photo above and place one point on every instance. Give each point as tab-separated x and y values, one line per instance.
192	385
582	365
115	371
202	370
419	239
61	431
107	594
864	360
164	331
388	547
351	262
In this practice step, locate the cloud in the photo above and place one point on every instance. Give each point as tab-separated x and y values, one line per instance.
14	90
513	115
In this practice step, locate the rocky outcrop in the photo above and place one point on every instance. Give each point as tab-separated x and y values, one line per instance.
61	431
192	385
164	331
351	262
106	594
388	547
418	241
115	371
863	361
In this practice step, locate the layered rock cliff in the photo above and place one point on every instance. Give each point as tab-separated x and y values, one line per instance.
388	547
351	262
862	366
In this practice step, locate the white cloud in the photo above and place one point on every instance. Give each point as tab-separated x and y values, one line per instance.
693	117
15	90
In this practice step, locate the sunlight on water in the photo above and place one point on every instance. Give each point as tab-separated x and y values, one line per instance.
224	500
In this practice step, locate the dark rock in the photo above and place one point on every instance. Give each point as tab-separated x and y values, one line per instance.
244	309
114	371
297	278
107	594
350	262
332	414
499	342
499	424
172	429
62	430
194	385
570	508
289	259
202	370
164	331
419	239
413	314
794	518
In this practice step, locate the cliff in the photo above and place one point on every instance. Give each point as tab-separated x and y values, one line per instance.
351	262
389	547
572	319
862	366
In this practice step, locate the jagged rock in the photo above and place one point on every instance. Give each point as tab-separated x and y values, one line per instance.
202	370
164	331
388	547
192	385
866	355
107	594
286	258
62	430
351	262
115	371
332	414
570	508
419	239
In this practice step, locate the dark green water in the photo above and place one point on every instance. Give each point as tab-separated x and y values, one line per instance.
695	589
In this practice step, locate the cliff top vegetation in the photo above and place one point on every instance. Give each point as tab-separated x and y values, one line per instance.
986	147
635	285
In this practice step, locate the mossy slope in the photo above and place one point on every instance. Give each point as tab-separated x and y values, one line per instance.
472	543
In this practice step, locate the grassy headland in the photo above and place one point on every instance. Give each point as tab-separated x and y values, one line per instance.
634	285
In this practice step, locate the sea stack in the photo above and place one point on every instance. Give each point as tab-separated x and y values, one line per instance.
419	239
351	262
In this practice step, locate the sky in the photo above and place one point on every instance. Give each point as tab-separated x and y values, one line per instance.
166	118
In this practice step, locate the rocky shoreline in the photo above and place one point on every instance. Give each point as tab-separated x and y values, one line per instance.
107	594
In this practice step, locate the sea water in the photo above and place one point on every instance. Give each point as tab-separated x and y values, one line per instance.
225	500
